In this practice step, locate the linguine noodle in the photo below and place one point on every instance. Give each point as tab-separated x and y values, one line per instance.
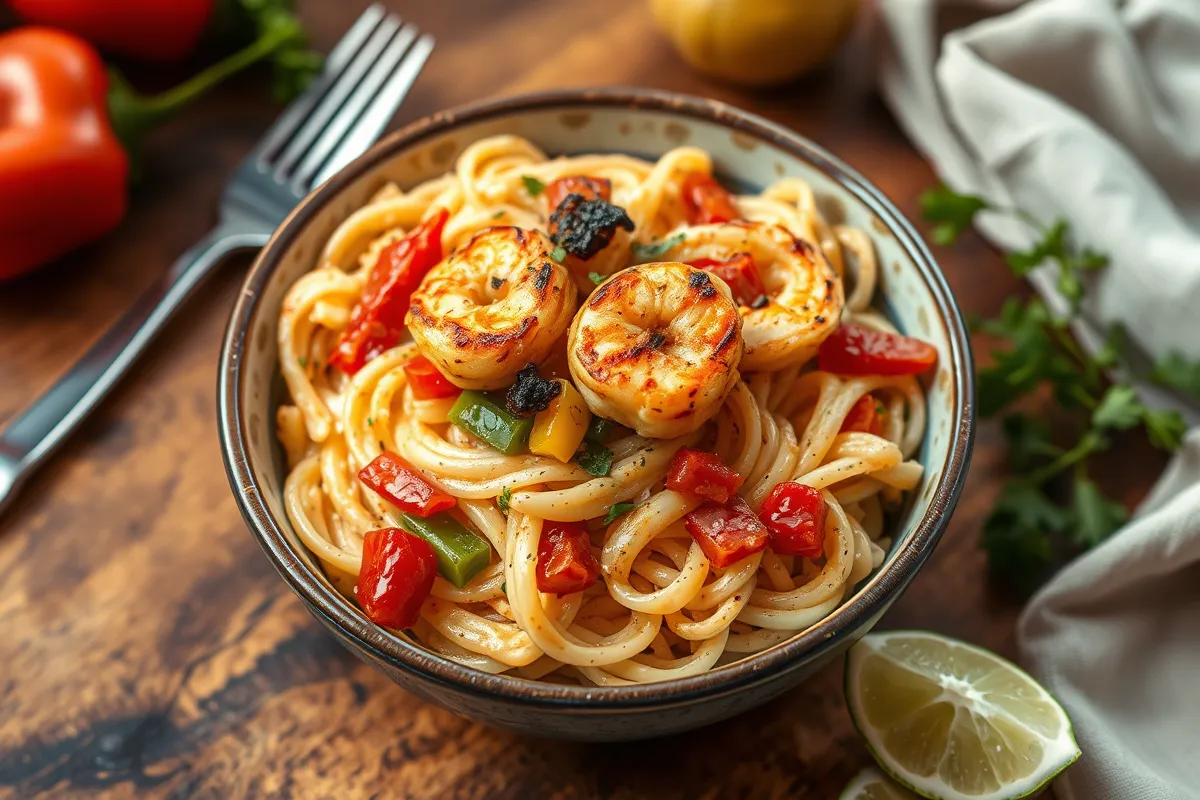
660	610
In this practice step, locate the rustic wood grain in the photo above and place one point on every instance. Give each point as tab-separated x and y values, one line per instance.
149	649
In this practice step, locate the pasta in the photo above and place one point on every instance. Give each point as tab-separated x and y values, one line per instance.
502	298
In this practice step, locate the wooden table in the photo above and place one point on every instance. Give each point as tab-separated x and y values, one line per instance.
148	648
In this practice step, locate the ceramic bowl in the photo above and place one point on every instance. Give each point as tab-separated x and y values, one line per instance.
748	151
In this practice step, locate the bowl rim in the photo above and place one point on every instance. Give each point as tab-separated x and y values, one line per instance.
885	585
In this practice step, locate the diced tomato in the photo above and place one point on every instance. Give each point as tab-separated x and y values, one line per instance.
377	322
702	475
565	561
795	515
706	200
857	350
427	381
864	416
740	272
726	533
396	576
401	485
590	188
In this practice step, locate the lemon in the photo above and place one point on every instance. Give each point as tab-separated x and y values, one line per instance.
755	42
871	784
951	721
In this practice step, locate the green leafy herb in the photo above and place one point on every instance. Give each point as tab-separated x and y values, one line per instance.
1095	517
370	421
499	214
533	185
596	459
302	361
504	499
597	278
616	510
953	213
1028	527
656	249
1175	372
504	587
559	254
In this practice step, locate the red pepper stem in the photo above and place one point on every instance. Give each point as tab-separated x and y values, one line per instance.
132	114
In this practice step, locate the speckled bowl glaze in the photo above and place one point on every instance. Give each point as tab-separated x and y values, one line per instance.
748	151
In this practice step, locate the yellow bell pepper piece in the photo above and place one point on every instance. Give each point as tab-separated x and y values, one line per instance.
559	429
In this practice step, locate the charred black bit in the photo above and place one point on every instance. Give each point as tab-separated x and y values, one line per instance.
584	227
497	282
699	280
543	277
531	393
760	302
656	340
820	319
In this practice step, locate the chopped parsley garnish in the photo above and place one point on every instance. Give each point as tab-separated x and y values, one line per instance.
302	361
533	185
503	500
617	510
656	249
597	278
596	459
499	214
559	254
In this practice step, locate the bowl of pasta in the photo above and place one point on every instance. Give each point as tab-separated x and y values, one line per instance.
596	414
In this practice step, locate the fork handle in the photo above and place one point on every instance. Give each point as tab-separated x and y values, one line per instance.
30	438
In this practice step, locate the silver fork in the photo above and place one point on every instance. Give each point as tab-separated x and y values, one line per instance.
366	76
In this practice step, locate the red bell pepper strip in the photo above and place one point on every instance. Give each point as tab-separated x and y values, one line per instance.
377	322
742	275
402	486
427	381
590	188
565	561
702	475
864	416
706	200
726	533
396	576
150	30
795	515
856	350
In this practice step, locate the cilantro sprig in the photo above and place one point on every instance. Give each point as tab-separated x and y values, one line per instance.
1051	505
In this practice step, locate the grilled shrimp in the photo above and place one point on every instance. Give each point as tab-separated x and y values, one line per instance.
802	302
656	348
492	307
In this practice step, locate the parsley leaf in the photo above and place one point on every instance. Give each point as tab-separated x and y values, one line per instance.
499	214
597	278
616	510
1165	429
533	185
503	500
1175	371
559	254
1119	408
656	249
1014	535
596	459
952	212
1094	516
1029	441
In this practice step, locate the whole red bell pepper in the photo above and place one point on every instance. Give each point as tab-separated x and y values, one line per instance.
149	30
63	171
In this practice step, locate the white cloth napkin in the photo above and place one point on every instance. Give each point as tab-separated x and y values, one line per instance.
1090	110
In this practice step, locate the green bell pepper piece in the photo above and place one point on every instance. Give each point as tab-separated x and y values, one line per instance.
460	553
490	421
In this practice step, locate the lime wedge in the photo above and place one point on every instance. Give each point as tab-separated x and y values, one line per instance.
953	722
871	784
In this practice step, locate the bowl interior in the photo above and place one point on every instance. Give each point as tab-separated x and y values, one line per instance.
749	153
